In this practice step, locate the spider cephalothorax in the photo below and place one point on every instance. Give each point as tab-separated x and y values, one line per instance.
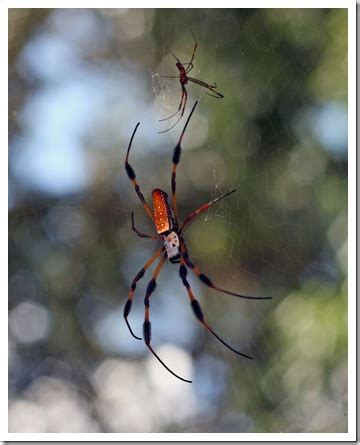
166	221
172	247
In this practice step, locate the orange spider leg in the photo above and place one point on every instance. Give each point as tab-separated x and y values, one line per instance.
176	160
147	324
202	209
131	174
206	280
139	275
141	235
198	311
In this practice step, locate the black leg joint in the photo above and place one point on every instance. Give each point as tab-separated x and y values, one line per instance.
183	272
137	278
176	155
127	308
147	331
147	301
151	287
197	310
205	279
140	195
129	170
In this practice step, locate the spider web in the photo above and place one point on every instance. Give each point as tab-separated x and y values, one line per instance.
95	75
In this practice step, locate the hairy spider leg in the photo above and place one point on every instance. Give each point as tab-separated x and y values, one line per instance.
141	235
176	160
207	280
202	209
147	324
198	311
138	277
131	174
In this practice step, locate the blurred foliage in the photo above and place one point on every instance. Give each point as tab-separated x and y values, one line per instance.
277	136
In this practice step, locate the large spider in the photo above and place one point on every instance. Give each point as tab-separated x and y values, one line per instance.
166	220
184	80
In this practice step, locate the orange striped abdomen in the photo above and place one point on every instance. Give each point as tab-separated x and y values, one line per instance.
162	212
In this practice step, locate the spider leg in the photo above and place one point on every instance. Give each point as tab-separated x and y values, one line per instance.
194	50
172	126
207	86
185	100
201	209
138	277
206	280
142	235
183	92
198	311
174	114
147	324
173	54
216	95
193	54
131	174
189	68
201	83
176	160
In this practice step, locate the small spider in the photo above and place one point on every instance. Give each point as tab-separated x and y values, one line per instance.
166	220
184	79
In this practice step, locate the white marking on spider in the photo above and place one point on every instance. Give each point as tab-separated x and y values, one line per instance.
172	245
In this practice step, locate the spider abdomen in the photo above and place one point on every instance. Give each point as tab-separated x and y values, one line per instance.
163	218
